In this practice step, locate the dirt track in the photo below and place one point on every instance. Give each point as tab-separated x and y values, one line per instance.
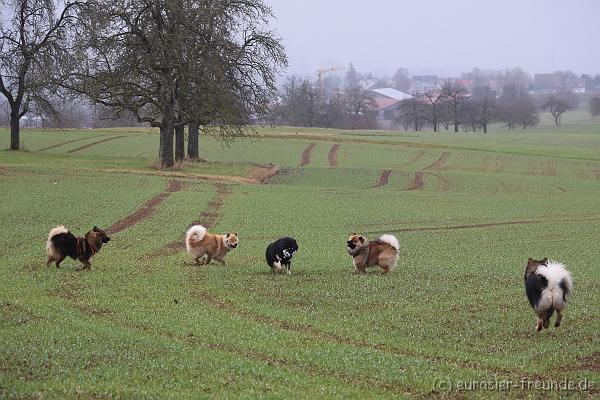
439	163
307	154
332	157
146	211
384	178
264	173
418	181
65	143
87	146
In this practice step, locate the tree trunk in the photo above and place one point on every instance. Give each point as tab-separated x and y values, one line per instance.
193	141
484	127
456	126
15	142
165	149
179	142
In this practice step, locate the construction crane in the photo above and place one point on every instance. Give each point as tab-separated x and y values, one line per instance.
323	71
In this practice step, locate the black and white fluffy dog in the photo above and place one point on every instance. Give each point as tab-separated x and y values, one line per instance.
279	254
547	284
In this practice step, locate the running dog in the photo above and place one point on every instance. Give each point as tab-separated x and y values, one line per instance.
547	285
279	254
62	243
199	242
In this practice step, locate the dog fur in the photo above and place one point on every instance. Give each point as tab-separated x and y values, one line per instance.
62	243
547	285
279	254
382	252
199	243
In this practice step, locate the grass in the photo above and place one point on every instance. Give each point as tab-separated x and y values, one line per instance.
146	323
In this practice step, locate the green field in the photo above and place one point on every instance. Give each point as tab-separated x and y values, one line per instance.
451	321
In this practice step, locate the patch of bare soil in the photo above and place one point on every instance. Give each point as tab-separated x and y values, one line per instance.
87	146
591	361
307	154
439	163
384	178
263	174
418	181
332	157
147	210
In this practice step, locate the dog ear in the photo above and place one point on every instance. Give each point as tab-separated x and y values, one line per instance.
362	239
529	260
227	235
354	234
234	233
95	228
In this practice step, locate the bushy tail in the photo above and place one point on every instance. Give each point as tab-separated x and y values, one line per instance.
391	240
560	284
195	234
54	232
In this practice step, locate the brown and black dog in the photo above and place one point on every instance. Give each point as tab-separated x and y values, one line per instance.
62	243
382	252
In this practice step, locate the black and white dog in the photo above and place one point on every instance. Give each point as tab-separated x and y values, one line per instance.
547	284
279	254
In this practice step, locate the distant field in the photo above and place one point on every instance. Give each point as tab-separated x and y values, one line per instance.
469	209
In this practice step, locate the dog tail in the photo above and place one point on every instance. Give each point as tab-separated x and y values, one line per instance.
196	233
59	230
391	240
560	284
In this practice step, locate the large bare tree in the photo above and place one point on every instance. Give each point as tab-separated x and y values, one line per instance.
456	98
153	59
33	38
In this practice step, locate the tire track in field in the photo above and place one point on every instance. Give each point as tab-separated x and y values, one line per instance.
439	163
309	330
190	339
418	181
307	154
263	174
209	218
485	225
384	178
417	158
332	156
68	142
147	210
87	146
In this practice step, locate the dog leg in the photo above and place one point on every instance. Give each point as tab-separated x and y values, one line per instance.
385	270
558	318
540	323
199	260
289	269
58	261
221	261
50	259
208	260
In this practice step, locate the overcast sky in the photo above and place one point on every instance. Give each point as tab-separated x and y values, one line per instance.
443	37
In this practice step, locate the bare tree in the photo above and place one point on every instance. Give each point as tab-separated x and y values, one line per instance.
517	107
142	57
412	112
456	97
32	38
557	108
483	107
434	102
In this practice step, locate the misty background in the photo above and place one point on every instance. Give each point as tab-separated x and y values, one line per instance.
439	37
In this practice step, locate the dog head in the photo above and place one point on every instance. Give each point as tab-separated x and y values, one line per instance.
230	240
532	266
290	248
97	237
356	243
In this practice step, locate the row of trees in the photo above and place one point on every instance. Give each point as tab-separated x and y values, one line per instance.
454	107
303	103
210	63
